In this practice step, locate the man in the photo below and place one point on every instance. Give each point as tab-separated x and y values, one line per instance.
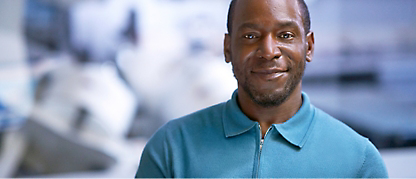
269	128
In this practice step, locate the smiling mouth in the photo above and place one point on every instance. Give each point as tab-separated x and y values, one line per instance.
270	71
270	74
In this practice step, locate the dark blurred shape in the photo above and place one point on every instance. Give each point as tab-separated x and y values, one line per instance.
130	32
49	152
46	27
362	77
80	119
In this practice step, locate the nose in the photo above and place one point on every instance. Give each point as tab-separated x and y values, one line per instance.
268	48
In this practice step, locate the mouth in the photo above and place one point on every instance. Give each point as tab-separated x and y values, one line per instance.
269	74
269	70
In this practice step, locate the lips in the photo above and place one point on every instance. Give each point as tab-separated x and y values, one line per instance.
269	74
269	71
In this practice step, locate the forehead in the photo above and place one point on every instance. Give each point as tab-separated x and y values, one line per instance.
266	12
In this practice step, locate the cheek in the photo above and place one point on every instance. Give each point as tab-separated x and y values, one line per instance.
295	53
243	54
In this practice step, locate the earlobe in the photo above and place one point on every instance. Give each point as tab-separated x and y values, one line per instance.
227	46
310	46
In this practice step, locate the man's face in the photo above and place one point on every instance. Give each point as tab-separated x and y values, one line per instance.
268	49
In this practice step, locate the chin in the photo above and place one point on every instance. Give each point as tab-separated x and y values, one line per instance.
268	98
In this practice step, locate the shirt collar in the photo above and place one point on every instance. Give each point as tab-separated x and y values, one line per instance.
235	121
295	130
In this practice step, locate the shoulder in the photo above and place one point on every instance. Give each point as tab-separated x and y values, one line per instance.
337	138
354	148
373	165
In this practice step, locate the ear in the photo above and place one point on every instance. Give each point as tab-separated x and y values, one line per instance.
310	46
227	48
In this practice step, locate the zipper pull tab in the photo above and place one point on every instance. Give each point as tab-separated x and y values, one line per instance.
261	143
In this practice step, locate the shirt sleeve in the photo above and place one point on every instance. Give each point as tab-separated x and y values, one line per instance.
154	161
373	166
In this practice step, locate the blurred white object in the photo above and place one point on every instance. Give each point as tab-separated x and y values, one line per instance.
110	105
108	98
96	26
94	146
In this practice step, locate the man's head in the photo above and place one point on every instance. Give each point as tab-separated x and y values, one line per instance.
268	44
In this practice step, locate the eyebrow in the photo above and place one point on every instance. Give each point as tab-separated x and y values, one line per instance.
289	23
248	26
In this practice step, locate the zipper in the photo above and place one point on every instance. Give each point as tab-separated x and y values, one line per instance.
261	147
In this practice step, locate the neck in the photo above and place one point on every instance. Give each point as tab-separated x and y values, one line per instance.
266	116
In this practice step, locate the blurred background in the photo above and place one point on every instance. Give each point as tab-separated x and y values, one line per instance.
85	83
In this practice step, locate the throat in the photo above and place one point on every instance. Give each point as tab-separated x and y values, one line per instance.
266	116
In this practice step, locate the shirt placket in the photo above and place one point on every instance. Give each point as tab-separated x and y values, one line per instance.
262	139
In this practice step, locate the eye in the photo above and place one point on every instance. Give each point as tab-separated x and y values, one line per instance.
287	36
249	36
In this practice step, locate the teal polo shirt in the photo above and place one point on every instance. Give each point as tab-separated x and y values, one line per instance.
222	142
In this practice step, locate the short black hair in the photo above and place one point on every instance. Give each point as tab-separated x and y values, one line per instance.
303	8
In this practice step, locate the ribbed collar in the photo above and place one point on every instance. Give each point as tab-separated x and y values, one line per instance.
295	130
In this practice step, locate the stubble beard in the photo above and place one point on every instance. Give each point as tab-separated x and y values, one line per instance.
275	98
